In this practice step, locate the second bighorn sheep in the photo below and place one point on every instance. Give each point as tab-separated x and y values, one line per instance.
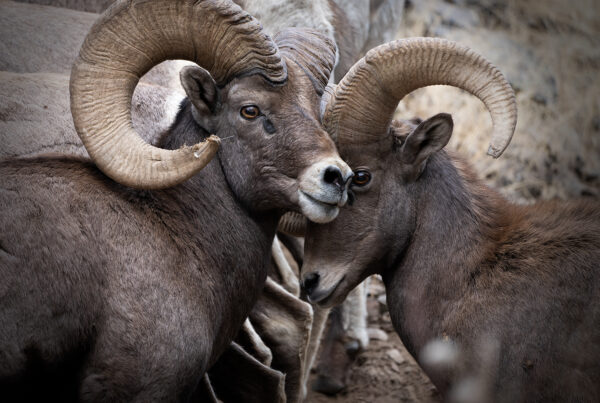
508	295
139	288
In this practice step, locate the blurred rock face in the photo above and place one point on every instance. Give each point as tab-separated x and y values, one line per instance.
550	52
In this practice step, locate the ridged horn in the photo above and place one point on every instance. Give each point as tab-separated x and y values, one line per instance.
292	224
314	52
361	107
128	40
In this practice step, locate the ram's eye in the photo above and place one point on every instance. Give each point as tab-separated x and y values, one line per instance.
361	178
250	112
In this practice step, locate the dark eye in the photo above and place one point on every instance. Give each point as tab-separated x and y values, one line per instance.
250	112
361	178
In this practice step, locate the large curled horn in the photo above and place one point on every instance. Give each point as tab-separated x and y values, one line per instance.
128	40
360	108
312	51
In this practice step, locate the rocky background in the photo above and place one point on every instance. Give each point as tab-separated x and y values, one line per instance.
550	52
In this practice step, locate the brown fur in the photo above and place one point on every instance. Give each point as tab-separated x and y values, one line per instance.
111	293
515	289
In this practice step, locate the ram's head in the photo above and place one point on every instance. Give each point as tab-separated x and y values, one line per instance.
389	189
260	95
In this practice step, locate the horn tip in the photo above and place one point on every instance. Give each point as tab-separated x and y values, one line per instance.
210	146
214	139
494	152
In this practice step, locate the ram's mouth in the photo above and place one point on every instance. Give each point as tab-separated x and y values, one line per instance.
317	210
330	203
325	297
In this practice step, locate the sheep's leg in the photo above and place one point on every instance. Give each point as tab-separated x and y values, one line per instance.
289	279
346	336
251	341
354	314
319	322
284	322
239	377
337	354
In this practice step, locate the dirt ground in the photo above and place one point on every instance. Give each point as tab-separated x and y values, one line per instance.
550	52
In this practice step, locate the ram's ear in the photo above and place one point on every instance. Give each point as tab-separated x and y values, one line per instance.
427	138
201	90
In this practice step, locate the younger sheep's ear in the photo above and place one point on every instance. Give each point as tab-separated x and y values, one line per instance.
201	89
427	138
399	131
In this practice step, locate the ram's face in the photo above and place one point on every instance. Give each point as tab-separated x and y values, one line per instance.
373	230
339	255
259	94
276	154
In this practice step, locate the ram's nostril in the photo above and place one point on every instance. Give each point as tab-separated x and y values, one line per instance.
311	281
333	175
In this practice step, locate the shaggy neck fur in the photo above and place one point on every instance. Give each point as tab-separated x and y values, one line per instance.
511	286
456	229
235	225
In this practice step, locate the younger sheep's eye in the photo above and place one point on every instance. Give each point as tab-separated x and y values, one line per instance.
361	178
250	112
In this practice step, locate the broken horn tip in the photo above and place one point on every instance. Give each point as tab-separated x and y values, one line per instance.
494	152
214	139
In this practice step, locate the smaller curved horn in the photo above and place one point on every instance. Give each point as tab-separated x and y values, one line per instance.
292	223
361	107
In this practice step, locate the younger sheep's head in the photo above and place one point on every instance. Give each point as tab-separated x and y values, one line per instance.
390	158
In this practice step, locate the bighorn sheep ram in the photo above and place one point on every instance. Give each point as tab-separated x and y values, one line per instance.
40	99
513	290
132	294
